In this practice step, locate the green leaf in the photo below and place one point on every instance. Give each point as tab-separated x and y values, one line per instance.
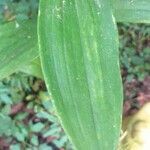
34	140
6	99
18	45
37	127
15	147
79	53
47	116
60	143
6	124
33	68
19	136
134	11
52	132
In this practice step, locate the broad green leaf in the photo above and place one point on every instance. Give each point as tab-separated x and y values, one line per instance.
134	11
78	43
18	45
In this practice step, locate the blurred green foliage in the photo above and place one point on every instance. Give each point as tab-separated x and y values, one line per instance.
135	50
18	9
27	117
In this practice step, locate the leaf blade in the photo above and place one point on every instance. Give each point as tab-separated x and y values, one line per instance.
76	58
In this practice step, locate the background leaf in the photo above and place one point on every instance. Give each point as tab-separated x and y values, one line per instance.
33	68
135	11
18	45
